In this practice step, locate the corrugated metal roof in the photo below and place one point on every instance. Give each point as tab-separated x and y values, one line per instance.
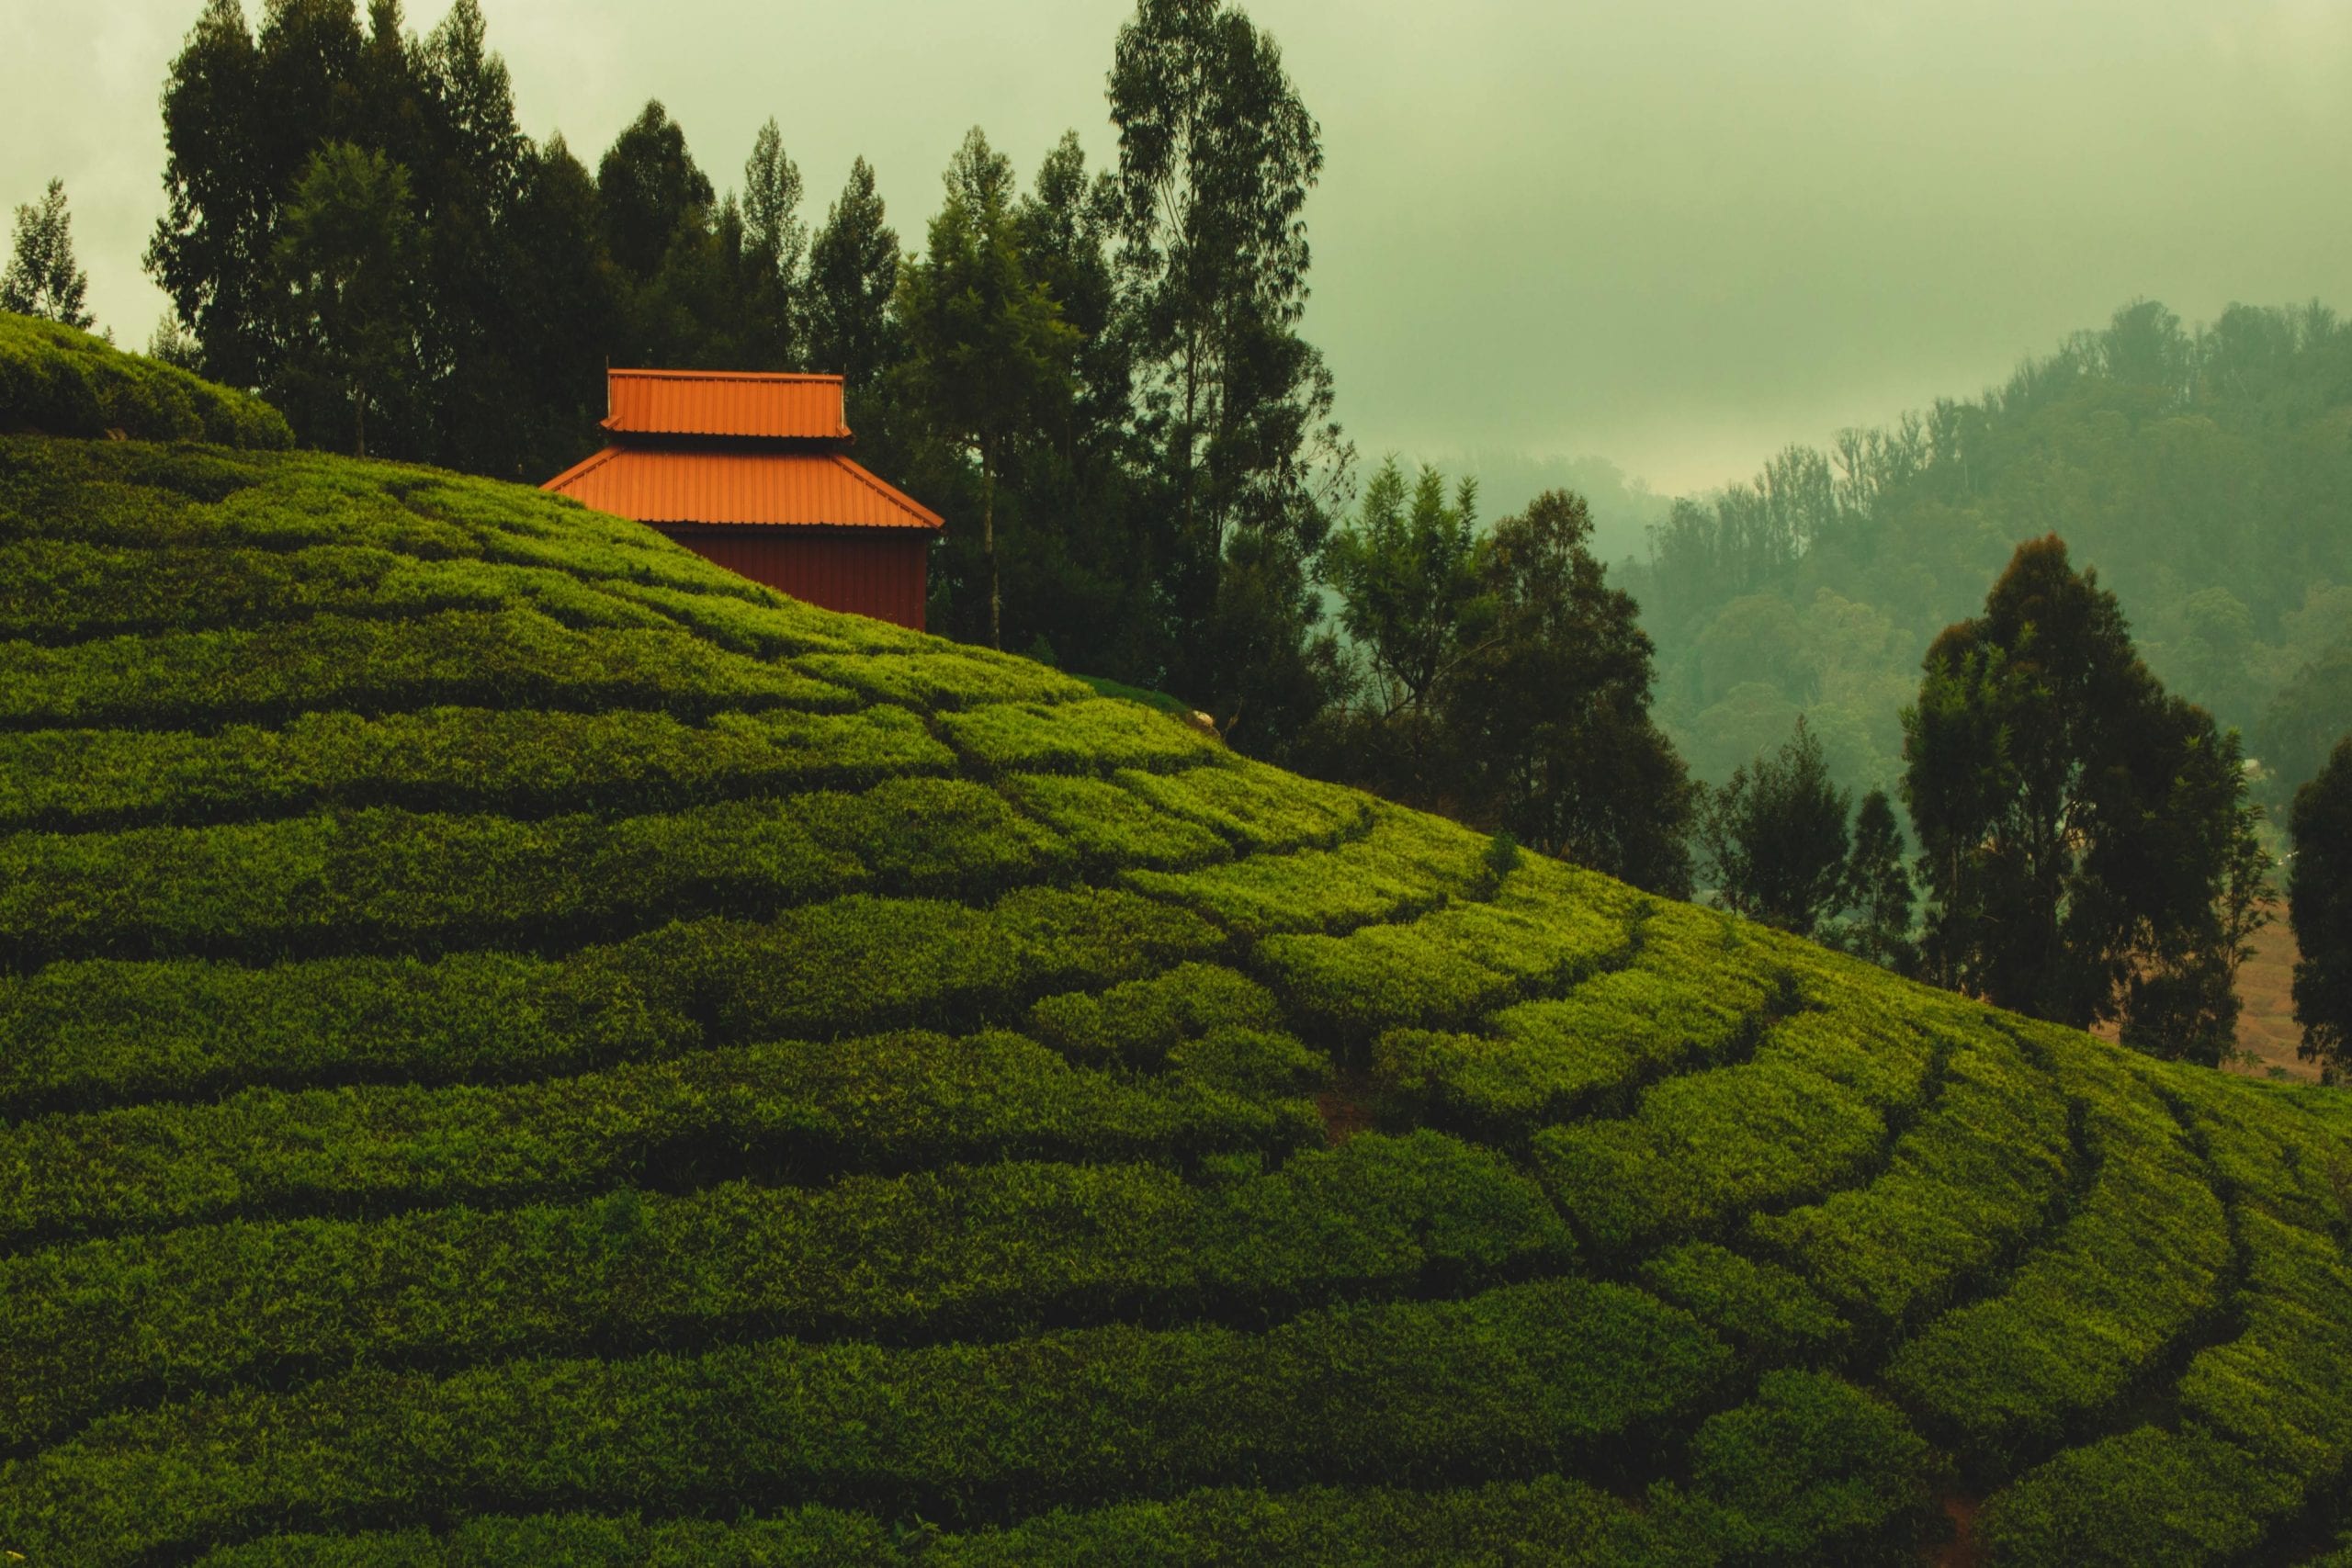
653	486
725	402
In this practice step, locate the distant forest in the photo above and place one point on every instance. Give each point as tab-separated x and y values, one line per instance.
2206	475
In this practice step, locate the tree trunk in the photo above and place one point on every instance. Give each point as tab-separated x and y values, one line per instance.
359	418
988	544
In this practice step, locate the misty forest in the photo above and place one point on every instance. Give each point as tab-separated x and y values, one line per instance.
1291	1014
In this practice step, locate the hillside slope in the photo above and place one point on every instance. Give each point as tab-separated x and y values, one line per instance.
518	1046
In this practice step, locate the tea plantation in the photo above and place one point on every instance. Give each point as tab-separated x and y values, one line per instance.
518	1046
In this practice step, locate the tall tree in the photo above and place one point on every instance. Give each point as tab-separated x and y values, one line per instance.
988	346
2319	905
344	262
1405	572
1879	895
1774	840
852	274
1550	717
775	245
42	278
2077	825
651	190
1216	154
211	249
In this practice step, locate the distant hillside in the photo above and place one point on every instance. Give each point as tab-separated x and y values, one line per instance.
2208	476
517	1046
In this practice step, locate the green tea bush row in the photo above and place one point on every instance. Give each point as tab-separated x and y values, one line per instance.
772	626
1413	1393
944	675
1544	1061
1453	963
2092	1310
386	878
1758	1305
1404	864
1837	1476
1260	809
978	1251
1140	1021
513	658
67	590
456	759
876	1102
60	381
80	1035
1113	828
1793	1125
2152	1494
2281	1388
1964	1186
1087	736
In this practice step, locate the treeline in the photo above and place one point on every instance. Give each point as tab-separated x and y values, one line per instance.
1097	375
2204	473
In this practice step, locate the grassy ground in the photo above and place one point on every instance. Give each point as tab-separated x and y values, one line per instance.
516	1046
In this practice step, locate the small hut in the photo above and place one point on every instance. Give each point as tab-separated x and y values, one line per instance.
754	471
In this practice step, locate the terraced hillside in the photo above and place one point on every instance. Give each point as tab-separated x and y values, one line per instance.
518	1046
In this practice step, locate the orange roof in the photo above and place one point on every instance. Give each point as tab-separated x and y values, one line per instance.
725	402
819	488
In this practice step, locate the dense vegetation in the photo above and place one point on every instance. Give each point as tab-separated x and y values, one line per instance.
2205	475
1101	378
519	1045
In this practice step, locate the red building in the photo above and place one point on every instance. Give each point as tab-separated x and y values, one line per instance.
754	471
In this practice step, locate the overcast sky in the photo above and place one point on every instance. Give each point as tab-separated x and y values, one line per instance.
1676	233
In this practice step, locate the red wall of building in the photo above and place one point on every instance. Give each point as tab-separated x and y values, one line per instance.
881	572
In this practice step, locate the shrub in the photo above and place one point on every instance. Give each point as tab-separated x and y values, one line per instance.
1418	1392
58	381
794	1108
1112	827
944	675
1140	1021
1086	736
513	658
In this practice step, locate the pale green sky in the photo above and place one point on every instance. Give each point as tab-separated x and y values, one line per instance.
1678	233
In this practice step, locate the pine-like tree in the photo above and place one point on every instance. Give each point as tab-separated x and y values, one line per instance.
1774	840
1878	896
42	278
852	274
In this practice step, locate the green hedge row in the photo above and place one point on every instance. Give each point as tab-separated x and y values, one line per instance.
1402	863
1520	1380
944	675
515	657
58	381
875	1102
1971	1181
453	759
1544	1061
1089	735
81	1036
56	591
1758	1305
979	1251
1792	1125
1139	1023
383	878
1113	828
1261	809
2092	1309
1456	962
771	626
2264	1433
1810	1472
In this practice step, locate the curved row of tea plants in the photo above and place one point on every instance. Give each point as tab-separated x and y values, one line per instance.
518	1045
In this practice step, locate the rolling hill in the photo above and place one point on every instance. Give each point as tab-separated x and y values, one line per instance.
516	1046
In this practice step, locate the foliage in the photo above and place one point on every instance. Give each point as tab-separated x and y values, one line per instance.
1774	840
2319	896
2078	828
42	278
2198	468
57	381
683	1077
1878	894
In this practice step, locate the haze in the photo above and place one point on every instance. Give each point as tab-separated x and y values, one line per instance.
1675	235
